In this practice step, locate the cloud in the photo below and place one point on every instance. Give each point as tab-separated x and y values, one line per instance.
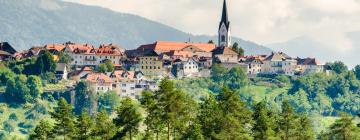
262	21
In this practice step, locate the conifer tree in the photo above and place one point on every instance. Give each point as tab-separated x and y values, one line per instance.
65	120
209	117
344	129
43	131
104	127
153	120
236	116
84	125
264	127
305	128
128	118
287	121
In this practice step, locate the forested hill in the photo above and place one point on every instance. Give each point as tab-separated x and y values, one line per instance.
24	23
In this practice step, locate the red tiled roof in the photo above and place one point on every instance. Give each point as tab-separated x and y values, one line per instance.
166	46
96	77
58	47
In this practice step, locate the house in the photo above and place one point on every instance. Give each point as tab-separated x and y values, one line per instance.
188	68
151	65
61	71
88	55
279	63
77	74
55	49
99	82
225	55
254	65
6	51
309	65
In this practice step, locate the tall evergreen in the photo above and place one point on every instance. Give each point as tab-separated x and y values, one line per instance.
153	120
305	128
128	118
209	117
65	120
43	131
104	127
344	129
84	125
287	122
236	116
264	127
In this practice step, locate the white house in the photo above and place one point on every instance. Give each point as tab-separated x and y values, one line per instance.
279	63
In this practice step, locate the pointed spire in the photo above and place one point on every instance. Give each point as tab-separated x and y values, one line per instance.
224	16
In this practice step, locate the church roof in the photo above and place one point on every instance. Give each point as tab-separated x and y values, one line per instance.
167	46
224	17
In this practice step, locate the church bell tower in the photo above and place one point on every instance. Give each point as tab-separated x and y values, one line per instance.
224	36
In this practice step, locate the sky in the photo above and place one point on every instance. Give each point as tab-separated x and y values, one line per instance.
262	21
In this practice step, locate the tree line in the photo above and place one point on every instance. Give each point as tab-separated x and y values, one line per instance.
169	113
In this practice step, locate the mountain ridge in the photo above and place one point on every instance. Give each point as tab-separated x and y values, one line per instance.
26	23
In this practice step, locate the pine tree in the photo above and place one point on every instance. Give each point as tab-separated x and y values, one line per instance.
344	129
153	120
43	131
84	125
65	120
236	116
264	127
209	117
305	128
128	118
287	122
104	127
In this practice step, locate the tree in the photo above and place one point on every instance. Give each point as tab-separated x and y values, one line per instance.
236	116
305	129
35	86
84	125
210	42
264	127
82	94
45	63
65	120
109	101
177	107
64	58
128	118
338	67
236	78
17	90
344	129
104	127
209	117
218	72
153	120
43	131
194	132
237	49
107	66
357	71
287	122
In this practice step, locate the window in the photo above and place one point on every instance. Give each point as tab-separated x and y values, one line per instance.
222	38
123	85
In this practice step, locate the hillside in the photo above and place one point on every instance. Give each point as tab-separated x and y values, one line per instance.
25	23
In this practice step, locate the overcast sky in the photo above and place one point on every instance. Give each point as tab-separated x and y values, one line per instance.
261	21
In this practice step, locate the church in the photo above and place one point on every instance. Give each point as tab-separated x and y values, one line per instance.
223	53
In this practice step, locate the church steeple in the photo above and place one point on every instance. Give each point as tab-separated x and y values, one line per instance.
224	16
224	28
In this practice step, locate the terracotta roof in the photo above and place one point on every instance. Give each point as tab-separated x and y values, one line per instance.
109	50
180	53
123	75
308	61
79	48
57	47
166	46
97	77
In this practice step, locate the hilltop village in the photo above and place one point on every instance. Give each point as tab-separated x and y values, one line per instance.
109	67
